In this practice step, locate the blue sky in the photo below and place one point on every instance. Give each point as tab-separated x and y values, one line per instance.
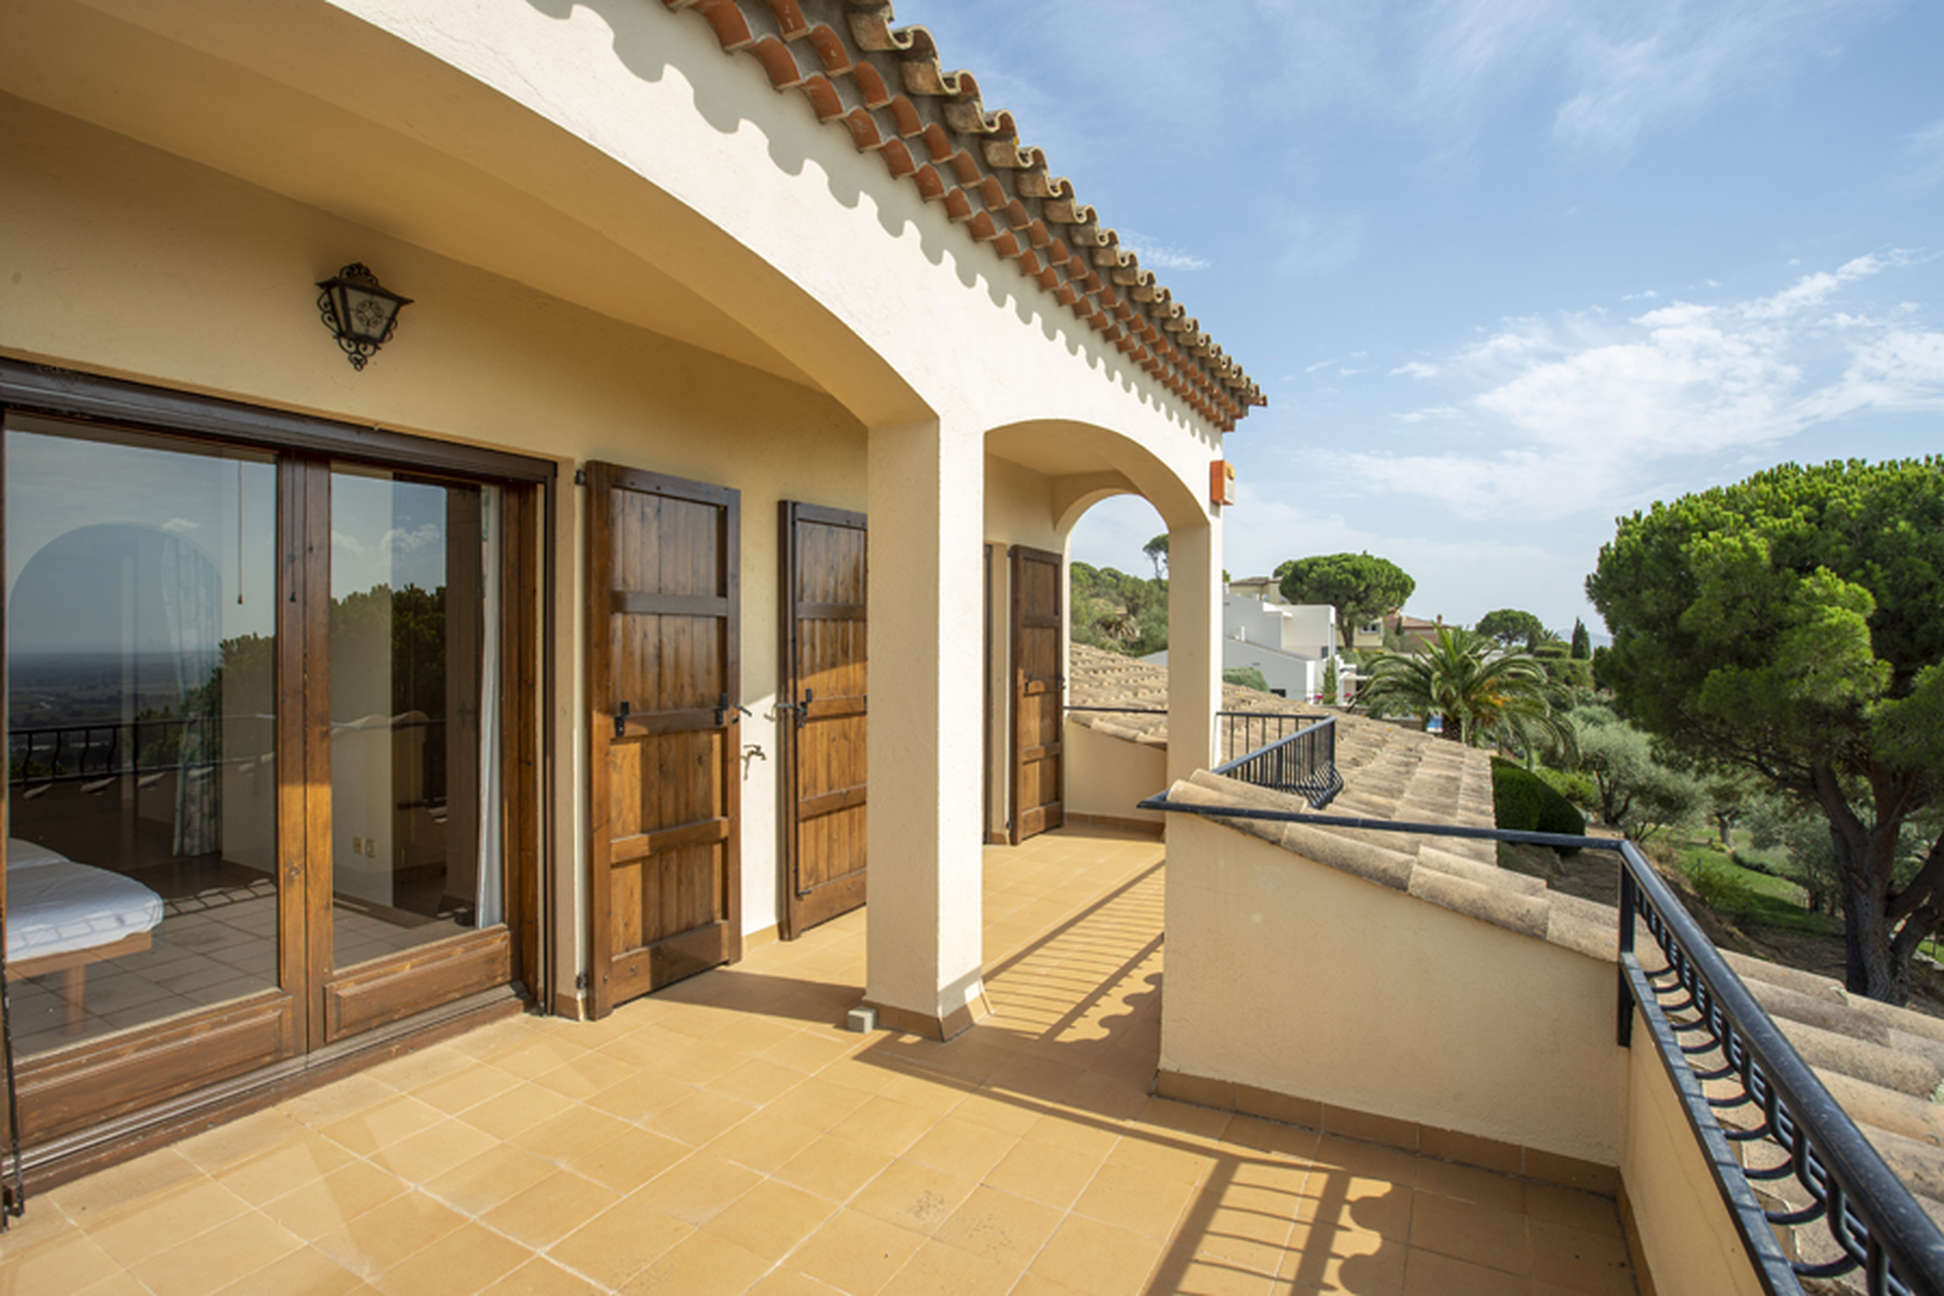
1506	268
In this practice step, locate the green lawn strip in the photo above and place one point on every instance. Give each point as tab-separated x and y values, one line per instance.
1746	895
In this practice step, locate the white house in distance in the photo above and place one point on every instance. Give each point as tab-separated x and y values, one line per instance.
1290	643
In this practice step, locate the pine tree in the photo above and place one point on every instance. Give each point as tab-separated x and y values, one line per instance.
1582	641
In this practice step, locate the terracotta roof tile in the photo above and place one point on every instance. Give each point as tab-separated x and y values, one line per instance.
886	85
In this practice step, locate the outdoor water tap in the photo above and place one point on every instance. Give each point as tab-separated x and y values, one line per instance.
750	752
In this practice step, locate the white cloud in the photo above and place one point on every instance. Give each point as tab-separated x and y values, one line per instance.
1430	413
1590	409
1156	255
1924	151
1415	369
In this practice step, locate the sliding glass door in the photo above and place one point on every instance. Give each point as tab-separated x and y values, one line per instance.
257	743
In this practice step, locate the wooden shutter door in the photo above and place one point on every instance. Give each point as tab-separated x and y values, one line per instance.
822	729
664	739
1038	637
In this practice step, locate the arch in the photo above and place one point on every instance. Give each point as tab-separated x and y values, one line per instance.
1087	463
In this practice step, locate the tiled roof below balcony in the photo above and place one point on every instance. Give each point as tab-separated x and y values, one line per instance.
726	1136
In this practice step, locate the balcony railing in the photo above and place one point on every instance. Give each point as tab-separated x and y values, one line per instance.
1307	767
1302	764
1709	1030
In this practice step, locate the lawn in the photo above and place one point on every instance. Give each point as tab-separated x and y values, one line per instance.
1744	895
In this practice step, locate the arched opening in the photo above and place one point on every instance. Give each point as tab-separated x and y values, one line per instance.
1061	493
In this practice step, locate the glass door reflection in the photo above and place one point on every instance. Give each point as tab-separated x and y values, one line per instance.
414	712
141	873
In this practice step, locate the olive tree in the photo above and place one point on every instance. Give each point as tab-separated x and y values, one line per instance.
1793	625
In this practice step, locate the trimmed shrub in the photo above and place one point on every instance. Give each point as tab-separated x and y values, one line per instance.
1524	802
1571	784
1246	676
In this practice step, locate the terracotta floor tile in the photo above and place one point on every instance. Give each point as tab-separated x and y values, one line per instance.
1467	1231
697	1189
1326	1258
466	1088
240	1140
640	1096
119	1189
913	1196
466	1260
757	1081
167	1219
700	1265
572	1132
223	1255
517	1112
765	1142
941	1270
833	1168
620	1242
699	1117
276	1171
1161	1154
387	1234
884	1124
550	1209
1586	1211
626	1161
304	1272
964	1148
1426	1273
1127	1198
1213	1275
476	1186
431	1152
788	1282
1001	1227
581	1077
771	1218
1089	1256
855	1252
317	1206
1345	1200
383	1124
539	1277
1467	1183
1582	1261
1044	1173
67	1262
818	1104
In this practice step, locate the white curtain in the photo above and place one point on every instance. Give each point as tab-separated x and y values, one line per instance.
489	907
189	586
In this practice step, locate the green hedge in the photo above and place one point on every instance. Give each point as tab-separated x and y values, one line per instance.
1523	801
1246	676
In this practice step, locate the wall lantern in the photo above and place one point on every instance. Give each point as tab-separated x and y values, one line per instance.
360	312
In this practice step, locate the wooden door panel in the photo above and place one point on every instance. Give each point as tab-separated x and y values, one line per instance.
825	704
1038	647
663	684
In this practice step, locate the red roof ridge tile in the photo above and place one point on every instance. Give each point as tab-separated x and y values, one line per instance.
931	127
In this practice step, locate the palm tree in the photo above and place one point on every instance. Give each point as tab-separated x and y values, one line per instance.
1477	690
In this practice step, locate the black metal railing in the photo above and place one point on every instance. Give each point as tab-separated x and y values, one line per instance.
1709	1030
1241	731
1301	764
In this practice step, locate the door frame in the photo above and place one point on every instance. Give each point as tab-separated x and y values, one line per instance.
142	1077
791	910
1017	685
598	593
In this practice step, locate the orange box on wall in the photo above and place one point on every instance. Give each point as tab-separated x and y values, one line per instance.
1221	482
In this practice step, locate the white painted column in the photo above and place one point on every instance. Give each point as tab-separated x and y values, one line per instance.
1194	645
924	943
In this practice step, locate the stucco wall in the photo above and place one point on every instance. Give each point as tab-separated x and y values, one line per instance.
1109	776
556	187
1687	1236
1292	977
